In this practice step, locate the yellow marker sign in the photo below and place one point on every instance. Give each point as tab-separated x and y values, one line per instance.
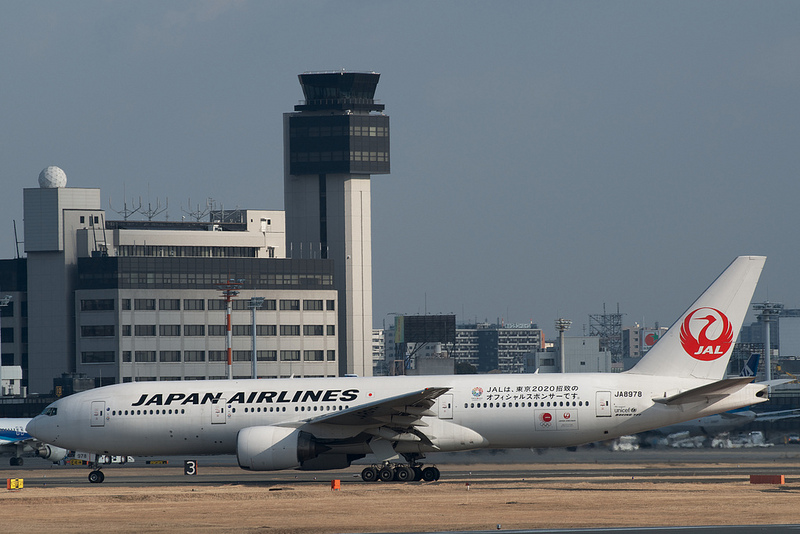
14	483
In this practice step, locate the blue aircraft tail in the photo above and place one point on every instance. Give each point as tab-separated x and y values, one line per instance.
751	367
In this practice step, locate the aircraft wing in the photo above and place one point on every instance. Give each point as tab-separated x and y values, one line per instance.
404	410
708	392
777	416
11	442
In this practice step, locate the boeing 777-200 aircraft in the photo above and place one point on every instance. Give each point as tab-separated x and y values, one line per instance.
326	423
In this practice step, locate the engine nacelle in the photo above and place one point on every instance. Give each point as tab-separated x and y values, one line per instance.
271	448
51	452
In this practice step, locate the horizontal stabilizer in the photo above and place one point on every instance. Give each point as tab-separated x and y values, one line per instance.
708	392
777	382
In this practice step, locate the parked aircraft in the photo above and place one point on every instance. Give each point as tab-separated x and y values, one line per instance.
15	440
712	425
326	423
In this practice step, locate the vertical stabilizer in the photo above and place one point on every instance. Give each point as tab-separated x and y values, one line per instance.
700	343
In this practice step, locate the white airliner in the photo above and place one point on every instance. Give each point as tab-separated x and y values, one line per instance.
15	440
326	423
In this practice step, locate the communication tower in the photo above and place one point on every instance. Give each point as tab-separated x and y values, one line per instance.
608	327
768	312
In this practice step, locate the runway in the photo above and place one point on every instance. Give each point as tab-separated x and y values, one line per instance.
698	491
702	466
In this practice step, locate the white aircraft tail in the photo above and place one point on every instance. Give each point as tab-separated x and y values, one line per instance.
700	343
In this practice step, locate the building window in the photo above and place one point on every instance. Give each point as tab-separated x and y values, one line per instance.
242	356
144	304
331	330
312	330
169	304
169	330
312	305
7	334
194	355
266	330
313	355
144	330
330	305
331	355
7	310
218	356
169	356
105	330
97	305
240	304
290	304
126	330
216	304
194	304
145	356
194	330
125	304
242	330
290	355
105	356
267	355
126	356
290	329
268	304
217	330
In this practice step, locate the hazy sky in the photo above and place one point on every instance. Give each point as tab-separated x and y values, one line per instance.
547	157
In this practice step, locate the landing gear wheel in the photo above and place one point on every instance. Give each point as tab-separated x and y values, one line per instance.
430	474
96	477
369	474
404	474
15	461
386	473
417	473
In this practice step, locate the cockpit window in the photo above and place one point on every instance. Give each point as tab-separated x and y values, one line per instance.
50	411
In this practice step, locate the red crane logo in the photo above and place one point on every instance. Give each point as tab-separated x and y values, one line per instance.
702	347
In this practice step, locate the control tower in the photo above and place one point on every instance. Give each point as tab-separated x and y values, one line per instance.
333	142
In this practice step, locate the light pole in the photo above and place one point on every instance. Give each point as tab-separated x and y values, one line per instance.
255	303
229	290
3	303
562	325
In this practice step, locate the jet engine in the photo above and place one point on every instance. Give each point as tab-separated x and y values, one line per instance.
271	448
52	453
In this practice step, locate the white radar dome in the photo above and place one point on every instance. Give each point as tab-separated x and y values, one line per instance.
52	177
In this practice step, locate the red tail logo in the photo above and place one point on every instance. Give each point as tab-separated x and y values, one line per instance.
706	322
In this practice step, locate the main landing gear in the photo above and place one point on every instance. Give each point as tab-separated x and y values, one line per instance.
16	461
400	472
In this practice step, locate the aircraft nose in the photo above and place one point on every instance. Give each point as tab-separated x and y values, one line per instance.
38	428
31	428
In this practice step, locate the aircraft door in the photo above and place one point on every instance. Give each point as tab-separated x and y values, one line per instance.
98	413
603	404
219	413
446	406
